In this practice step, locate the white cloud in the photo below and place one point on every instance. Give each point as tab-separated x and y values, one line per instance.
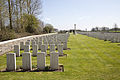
47	19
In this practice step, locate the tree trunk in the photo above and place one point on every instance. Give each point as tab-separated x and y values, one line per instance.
10	16
0	21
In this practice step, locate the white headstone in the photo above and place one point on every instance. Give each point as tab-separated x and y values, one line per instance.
17	50
35	50
33	43
41	60
39	45
54	60
26	61
60	49
27	48
46	43
43	48
27	43
22	45
52	47
65	45
11	62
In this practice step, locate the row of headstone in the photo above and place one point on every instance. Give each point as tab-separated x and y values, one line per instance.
39	43
27	61
35	49
42	43
113	37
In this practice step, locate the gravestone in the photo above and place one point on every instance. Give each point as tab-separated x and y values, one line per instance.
60	49
58	42
27	43
35	50
54	60
26	61
65	45
40	39
36	40
46	43
41	60
43	48
39	45
22	45
27	48
33	43
52	47
11	62
17	50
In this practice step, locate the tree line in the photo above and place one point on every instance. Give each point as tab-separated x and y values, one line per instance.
15	14
21	16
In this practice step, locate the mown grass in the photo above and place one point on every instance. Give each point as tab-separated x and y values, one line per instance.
88	59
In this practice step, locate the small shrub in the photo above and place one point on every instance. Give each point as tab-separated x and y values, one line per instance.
7	34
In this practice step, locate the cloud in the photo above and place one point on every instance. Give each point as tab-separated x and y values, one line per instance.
48	19
84	17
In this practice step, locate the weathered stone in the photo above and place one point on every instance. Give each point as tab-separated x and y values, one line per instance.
46	43
8	45
65	45
26	61
40	39
11	62
35	50
52	47
28	40
17	50
27	43
33	43
54	60
43	48
36	40
58	42
60	49
39	45
41	60
27	48
22	45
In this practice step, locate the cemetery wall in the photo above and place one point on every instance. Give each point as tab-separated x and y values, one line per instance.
7	46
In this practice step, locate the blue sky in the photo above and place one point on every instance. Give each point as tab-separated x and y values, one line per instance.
63	14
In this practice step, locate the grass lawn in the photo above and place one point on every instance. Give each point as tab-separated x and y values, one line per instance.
88	59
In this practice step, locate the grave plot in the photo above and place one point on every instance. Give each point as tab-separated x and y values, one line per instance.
88	59
113	37
38	48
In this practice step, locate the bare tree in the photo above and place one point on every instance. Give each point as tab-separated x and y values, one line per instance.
3	12
10	14
34	6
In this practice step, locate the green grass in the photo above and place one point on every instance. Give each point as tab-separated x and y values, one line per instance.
88	59
114	31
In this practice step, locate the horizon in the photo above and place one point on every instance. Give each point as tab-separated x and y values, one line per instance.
86	14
